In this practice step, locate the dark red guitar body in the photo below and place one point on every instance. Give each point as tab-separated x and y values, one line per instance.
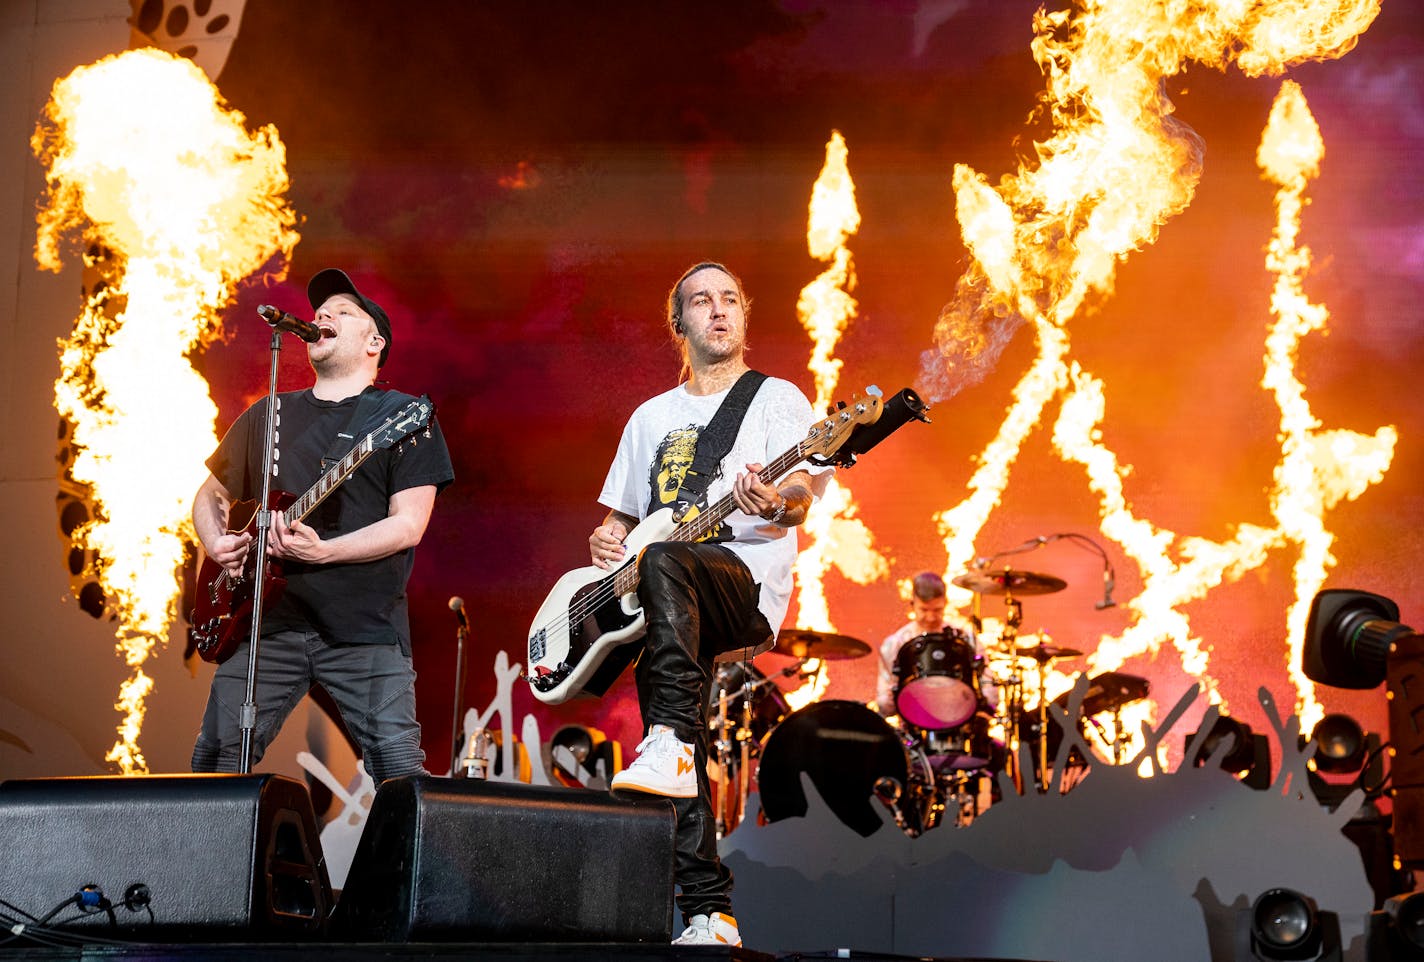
222	611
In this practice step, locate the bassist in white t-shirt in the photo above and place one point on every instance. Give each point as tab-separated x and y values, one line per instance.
719	598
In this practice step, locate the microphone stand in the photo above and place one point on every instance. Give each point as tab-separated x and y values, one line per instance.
461	633
247	716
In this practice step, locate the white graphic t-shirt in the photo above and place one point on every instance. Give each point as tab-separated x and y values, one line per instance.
657	448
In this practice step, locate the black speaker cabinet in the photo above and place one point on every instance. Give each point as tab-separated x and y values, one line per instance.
469	860
230	857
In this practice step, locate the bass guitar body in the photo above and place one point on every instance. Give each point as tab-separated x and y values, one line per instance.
588	612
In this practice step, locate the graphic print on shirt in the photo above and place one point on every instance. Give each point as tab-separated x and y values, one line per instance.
670	463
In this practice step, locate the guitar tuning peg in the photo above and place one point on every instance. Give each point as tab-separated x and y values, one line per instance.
840	405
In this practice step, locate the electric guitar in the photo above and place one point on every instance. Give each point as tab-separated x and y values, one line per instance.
222	611
591	611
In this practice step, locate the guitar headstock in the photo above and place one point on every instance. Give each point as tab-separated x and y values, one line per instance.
828	435
405	422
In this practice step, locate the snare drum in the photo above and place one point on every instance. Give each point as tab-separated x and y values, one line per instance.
938	680
845	748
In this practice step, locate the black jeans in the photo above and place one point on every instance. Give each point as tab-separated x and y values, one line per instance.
372	685
700	602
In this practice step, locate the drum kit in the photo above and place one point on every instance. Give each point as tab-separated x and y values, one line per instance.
943	749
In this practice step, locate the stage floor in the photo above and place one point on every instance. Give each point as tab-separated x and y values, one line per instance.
409	952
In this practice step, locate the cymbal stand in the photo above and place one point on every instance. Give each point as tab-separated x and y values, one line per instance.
1011	701
1042	726
1009	639
1120	737
744	740
724	756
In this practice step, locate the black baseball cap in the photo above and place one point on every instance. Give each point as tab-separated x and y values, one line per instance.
332	281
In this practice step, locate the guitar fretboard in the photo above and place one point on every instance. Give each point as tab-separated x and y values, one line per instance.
625	580
331	480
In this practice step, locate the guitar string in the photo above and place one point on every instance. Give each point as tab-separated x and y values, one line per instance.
688	531
418	409
607	589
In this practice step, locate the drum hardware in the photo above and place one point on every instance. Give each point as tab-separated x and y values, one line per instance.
1043	654
1040	654
965	788
1007	581
888	791
1110	692
803	644
937	679
759	706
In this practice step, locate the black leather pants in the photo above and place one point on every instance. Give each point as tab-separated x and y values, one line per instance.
699	600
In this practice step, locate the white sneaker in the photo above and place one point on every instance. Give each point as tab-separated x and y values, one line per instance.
716	929
664	766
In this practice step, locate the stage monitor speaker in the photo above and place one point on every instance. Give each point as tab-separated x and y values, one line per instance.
165	857
469	860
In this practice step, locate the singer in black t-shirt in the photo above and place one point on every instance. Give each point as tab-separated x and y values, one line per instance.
342	622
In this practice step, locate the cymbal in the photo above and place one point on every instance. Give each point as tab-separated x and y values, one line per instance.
1008	581
1042	652
802	643
1109	691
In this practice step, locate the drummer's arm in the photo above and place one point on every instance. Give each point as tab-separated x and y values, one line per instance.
884	686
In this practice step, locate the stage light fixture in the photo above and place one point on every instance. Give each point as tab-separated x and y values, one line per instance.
1249	757
1348	637
1354	640
1283	925
1396	933
580	755
1339	745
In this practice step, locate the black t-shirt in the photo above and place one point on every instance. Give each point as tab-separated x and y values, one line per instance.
360	603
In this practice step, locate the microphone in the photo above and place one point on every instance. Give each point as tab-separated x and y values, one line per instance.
1108	584
283	321
457	605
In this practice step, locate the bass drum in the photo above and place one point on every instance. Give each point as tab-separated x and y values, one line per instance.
938	678
845	748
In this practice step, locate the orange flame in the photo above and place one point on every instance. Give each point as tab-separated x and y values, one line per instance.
1046	239
1317	468
836	536
145	161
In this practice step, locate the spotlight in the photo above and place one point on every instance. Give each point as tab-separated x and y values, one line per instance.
1348	637
580	755
1284	925
1396	934
1342	747
1353	639
1249	757
1339	745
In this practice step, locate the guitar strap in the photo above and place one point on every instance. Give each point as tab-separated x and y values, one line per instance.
713	443
371	401
716	439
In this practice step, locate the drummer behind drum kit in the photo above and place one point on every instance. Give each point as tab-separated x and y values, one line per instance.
942	751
